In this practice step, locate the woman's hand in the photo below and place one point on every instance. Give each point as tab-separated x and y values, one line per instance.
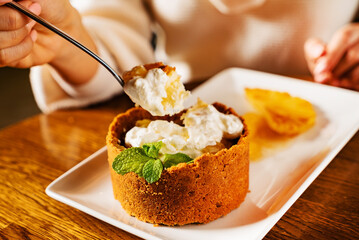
24	44
17	35
336	63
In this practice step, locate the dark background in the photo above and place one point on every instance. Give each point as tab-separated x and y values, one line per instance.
16	98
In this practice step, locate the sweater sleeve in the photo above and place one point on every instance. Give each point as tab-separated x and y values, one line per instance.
121	31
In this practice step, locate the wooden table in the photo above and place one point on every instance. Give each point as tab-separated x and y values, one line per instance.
36	151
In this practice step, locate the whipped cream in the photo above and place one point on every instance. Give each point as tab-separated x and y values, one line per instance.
207	126
204	126
157	92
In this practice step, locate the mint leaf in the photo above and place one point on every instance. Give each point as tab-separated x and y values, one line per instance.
145	163
174	159
130	160
152	149
152	170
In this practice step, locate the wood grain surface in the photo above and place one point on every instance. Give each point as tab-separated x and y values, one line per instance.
36	151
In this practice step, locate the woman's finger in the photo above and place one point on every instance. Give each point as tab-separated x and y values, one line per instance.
346	83
322	76
353	75
4	1
350	80
313	49
350	60
342	40
16	53
28	60
12	38
11	19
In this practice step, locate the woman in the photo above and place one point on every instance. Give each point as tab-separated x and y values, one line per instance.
199	38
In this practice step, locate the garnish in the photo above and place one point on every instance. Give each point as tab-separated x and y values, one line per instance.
130	160
152	170
152	149
174	159
146	161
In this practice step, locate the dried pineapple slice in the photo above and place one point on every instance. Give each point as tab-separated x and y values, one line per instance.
284	114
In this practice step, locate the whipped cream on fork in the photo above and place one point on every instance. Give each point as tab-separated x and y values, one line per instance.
158	92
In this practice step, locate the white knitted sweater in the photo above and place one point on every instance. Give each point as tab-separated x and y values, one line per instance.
198	37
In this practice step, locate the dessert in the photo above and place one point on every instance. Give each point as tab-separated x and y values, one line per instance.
209	187
178	168
156	87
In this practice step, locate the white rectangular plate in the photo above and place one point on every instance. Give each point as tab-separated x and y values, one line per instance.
276	181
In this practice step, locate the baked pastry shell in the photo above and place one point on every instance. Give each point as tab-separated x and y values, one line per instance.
199	192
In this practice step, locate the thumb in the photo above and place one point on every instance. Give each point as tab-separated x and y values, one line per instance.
314	48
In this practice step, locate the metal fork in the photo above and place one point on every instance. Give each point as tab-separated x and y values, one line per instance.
56	30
